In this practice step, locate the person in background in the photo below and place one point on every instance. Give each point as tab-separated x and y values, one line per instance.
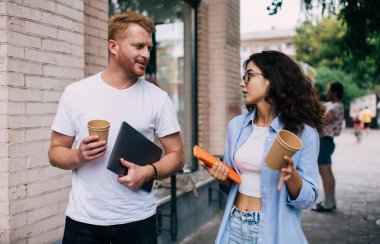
357	124
266	206
367	116
333	122
105	208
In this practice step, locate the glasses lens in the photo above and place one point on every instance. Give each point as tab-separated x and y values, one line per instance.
246	77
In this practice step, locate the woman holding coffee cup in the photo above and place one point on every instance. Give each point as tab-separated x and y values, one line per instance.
266	206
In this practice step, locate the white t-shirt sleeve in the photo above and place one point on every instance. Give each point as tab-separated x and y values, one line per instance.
62	121
167	122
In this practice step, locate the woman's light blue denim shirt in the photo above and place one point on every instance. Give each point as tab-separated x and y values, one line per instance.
280	220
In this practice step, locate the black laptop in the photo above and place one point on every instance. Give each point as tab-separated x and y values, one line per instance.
133	147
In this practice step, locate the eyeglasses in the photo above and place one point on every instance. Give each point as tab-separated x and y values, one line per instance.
249	74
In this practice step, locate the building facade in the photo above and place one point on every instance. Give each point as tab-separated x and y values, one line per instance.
46	45
278	40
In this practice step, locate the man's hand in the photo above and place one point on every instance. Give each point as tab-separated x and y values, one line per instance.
91	148
62	155
137	175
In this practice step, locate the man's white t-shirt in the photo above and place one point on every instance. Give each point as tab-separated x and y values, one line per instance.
96	197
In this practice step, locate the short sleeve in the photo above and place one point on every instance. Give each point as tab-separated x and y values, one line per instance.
62	122
167	122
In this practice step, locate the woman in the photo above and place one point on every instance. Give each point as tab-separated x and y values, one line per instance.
266	207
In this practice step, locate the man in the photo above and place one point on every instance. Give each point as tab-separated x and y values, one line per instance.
104	208
334	115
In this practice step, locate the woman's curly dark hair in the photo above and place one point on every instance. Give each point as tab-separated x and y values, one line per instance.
290	91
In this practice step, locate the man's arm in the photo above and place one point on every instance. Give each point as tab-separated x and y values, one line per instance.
172	162
61	154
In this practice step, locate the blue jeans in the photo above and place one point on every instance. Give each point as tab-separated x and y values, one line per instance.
244	226
142	232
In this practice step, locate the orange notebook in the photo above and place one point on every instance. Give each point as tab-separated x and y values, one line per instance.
209	159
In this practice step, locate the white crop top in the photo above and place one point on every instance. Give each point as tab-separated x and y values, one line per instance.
248	160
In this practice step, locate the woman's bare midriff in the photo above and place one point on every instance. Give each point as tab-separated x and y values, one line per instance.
247	203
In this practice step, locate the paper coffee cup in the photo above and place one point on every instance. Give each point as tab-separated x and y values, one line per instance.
100	128
286	144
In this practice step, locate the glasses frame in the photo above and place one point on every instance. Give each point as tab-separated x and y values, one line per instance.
249	74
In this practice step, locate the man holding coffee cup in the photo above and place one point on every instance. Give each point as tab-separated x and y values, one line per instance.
103	207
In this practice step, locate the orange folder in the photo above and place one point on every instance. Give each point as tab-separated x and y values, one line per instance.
209	160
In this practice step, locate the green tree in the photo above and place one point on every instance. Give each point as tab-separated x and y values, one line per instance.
361	17
320	44
361	41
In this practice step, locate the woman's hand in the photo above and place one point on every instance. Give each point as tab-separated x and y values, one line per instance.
291	177
219	172
286	171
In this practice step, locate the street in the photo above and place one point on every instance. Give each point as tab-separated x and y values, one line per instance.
356	167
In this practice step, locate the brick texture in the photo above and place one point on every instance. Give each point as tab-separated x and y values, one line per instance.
95	38
203	77
4	159
42	50
223	78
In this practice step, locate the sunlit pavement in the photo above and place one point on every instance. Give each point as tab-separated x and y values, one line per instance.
357	171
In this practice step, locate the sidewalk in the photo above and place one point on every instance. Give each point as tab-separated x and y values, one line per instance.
357	173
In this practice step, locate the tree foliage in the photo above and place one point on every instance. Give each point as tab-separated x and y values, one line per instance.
161	11
361	40
321	44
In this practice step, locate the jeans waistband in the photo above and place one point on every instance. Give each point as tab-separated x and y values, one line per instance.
245	215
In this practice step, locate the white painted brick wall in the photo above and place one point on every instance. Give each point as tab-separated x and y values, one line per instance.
3	79
17	165
4	165
3	64
96	26
24	66
41	4
4	160
41	52
3	121
2	18
46	53
16	80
